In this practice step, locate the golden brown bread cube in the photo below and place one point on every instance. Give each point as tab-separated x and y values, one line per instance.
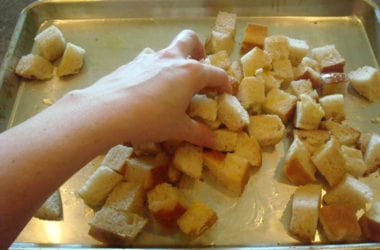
254	36
370	223
188	159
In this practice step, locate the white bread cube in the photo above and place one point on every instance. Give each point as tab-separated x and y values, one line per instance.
334	83
353	157
50	43
165	204
34	67
311	63
112	226
219	59
204	107
344	133
99	185
225	140
370	223
254	36
333	106
372	154
282	69
277	46
330	162
142	170
116	157
197	219
328	58
236	70
219	41
225	22
268	130
312	139
249	148
255	59
305	212
307	73
127	197
366	81
270	81
339	223
72	60
309	113
349	191
303	86
299	168
298	49
251	92
51	209
280	103
188	159
231	113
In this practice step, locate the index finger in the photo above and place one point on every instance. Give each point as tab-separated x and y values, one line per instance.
187	44
214	77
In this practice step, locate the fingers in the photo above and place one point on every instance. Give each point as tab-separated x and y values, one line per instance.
214	77
187	44
198	134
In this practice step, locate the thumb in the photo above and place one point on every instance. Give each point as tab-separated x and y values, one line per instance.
199	134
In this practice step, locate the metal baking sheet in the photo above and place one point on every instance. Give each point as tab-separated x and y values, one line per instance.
113	32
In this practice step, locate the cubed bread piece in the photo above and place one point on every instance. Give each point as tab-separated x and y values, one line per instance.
302	86
203	107
146	148
144	170
309	113
370	223
165	204
116	157
283	69
50	43
333	106
188	159
225	22
254	36
307	73
344	133
173	174
280	103
299	168
219	41
34	67
353	157
334	83
72	60
127	197
330	162
270	81
366	81
311	63
255	59
251	92
197	219
213	124
312	139
249	148
268	130
372	154
112	226
213	159
98	186
298	49
350	191
328	58
51	209
220	59
231	113
225	140
339	223
277	46
305	212
236	71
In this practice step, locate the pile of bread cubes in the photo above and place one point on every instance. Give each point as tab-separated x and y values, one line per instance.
280	87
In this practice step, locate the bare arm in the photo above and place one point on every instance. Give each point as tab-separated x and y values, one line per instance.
144	100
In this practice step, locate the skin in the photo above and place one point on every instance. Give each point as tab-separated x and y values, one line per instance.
142	101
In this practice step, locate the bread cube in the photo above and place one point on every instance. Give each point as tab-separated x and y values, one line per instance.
299	168
255	59
219	41
126	197
34	67
203	107
330	162
116	157
305	212
312	139
372	154
165	204
366	81
307	73
220	59
197	219
213	124
231	113
236	71
72	60
283	69
299	87
333	106
309	113
334	83
280	103
268	130
50	43
339	223
173	174
298	49
344	133
146	148
225	140
328	58
113	226
99	185
188	159
51	209
354	162
225	22
254	36
370	223
143	170
251	92
270	81
277	46
249	148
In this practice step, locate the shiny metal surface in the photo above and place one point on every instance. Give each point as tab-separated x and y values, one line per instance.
113	32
